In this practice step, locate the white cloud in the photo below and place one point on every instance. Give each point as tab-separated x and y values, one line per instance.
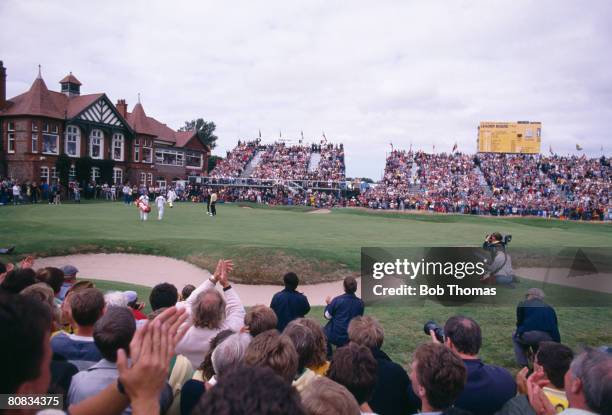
366	73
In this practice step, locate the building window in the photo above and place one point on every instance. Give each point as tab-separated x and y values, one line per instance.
72	173
11	142
137	149
169	157
11	126
45	127
73	141
161	183
147	151
44	175
34	126
143	179
95	174
50	143
193	159
34	143
118	147
54	175
150	179
55	129
117	176
96	144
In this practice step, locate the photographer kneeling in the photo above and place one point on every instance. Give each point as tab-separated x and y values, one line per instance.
500	270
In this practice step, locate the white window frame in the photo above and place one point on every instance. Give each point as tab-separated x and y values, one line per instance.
34	126
44	174
117	174
34	142
179	157
97	135
137	150
143	179
10	126
45	127
118	138
147	145
72	173
10	142
54	177
194	154
95	174
72	135
55	129
54	136
150	178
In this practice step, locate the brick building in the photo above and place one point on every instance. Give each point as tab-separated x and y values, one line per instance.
39	125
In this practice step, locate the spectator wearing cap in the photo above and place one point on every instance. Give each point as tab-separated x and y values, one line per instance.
70	272
289	304
134	305
340	311
536	322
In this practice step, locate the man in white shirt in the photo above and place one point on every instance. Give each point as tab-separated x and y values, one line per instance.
143	207
16	193
160	201
210	311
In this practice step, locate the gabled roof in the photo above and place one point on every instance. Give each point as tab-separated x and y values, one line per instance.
70	78
143	124
42	102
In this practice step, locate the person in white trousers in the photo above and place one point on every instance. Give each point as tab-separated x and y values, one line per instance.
160	201
143	207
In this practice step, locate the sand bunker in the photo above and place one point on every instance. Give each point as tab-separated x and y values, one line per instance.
319	211
150	270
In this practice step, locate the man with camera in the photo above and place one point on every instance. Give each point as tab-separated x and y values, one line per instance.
488	387
500	268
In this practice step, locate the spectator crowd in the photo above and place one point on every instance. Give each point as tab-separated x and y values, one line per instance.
200	351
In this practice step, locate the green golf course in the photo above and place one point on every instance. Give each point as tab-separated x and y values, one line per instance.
266	242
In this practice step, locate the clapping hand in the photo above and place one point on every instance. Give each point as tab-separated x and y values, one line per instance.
27	262
537	399
151	350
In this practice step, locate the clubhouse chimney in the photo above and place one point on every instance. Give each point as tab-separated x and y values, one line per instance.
2	85
122	107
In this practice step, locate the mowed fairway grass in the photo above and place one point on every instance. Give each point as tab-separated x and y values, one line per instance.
266	242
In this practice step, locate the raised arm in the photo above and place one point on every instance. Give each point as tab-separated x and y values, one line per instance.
234	309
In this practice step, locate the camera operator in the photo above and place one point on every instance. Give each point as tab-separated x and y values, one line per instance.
488	387
500	270
536	322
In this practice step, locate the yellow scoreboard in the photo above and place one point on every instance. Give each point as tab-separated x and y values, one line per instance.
510	137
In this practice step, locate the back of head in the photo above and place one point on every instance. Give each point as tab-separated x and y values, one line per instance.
115	299
440	372
87	306
354	367
323	396
304	343
291	280
366	331
208	310
163	295
52	276
206	367
555	359
260	318
114	331
319	355
25	324
41	292
273	350
229	353
187	290
464	333
350	285
18	279
594	368
250	390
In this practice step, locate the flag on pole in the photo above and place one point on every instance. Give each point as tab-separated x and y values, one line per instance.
551	150
578	147
410	147
302	133
455	147
280	134
259	133
324	136
434	148
391	144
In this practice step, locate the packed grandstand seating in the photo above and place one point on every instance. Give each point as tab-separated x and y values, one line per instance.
200	351
486	184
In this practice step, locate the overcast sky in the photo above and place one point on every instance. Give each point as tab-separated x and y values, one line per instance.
366	73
